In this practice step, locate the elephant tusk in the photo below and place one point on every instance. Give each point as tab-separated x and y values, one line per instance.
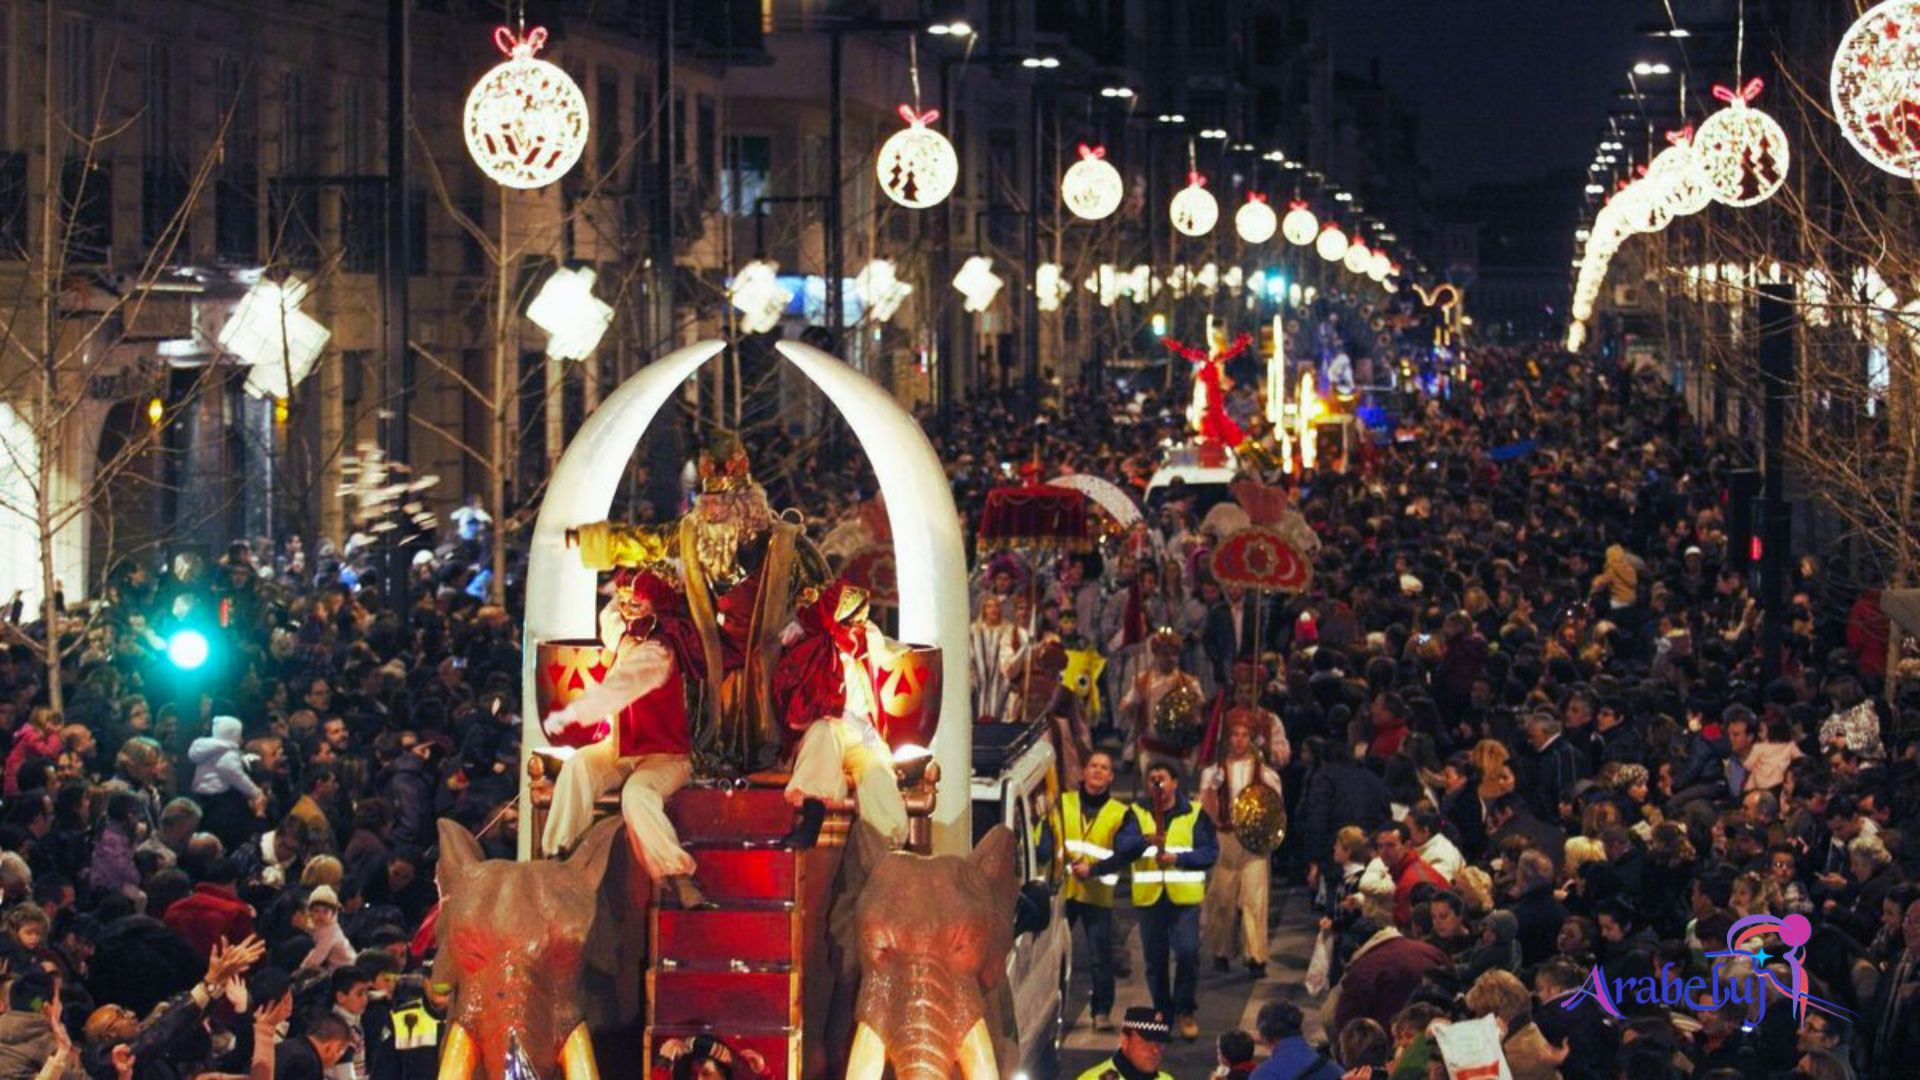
459	1055
868	1058
976	1054
576	1057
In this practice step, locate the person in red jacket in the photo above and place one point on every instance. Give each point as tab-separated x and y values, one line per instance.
1395	850
212	911
1383	974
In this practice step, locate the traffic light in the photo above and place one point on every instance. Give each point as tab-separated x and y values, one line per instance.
187	649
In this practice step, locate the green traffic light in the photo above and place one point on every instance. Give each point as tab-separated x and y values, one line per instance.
187	649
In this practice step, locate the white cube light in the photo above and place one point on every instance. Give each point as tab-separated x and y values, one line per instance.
575	320
277	340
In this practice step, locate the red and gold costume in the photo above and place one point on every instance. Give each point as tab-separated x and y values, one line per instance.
1233	918
1207	414
630	729
841	682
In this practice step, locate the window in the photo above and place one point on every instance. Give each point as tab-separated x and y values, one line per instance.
643	120
295	159
79	81
1207	24
707	131
163	181
236	196
363	213
607	117
748	174
86	191
679	128
156	117
356	130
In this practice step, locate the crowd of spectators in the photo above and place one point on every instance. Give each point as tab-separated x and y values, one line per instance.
1537	731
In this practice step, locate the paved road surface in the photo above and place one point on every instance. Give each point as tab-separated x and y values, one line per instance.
1226	1001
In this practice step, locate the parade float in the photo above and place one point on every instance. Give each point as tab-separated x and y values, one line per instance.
854	950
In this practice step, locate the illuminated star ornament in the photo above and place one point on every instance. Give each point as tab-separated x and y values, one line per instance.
1876	86
526	120
1742	151
917	167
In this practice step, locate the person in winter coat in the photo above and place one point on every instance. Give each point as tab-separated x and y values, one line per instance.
408	785
111	869
1382	975
1339	792
31	1032
40	738
229	800
213	912
331	950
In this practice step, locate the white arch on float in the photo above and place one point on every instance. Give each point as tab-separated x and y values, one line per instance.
929	549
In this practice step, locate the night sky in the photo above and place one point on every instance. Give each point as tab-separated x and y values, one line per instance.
1504	89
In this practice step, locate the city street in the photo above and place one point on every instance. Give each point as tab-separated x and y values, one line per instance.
1226	1001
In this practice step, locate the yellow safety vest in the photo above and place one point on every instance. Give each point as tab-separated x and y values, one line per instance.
1149	877
414	1028
1091	842
1108	1068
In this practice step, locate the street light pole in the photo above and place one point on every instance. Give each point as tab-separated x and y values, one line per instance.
1031	322
836	187
1776	516
397	371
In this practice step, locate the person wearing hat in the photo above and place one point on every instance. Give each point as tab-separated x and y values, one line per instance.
1144	1034
1141	703
1090	818
631	731
1233	918
331	950
1171	844
742	570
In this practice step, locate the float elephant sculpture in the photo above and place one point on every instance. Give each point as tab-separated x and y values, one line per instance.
929	937
534	952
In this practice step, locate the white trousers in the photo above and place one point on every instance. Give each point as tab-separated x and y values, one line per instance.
1233	918
645	783
834	749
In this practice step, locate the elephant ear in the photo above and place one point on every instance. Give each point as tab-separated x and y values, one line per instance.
995	858
588	863
459	854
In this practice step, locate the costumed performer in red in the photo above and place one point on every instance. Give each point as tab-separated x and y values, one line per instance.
830	680
1207	414
631	730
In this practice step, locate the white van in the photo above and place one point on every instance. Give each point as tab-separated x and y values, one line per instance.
1015	784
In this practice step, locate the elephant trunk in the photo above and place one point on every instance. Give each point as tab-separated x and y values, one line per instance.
925	1019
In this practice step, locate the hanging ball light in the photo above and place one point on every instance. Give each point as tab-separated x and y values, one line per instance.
525	120
1255	221
1876	86
1677	176
1194	209
1332	244
1092	187
1742	151
1358	259
1299	226
917	166
1379	266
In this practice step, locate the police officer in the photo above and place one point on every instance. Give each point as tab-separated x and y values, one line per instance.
1171	844
417	1030
1143	1034
1089	820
